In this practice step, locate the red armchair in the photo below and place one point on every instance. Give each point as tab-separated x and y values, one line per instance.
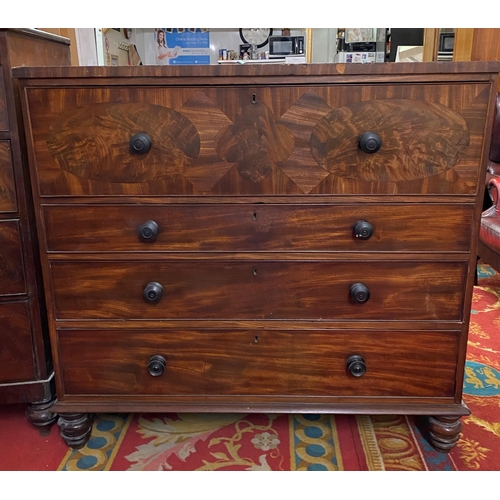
489	232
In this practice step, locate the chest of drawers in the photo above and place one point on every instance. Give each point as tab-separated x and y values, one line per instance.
26	372
285	238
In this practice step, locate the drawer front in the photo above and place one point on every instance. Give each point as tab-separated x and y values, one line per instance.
7	185
4	117
16	347
11	260
258	140
258	227
267	363
399	290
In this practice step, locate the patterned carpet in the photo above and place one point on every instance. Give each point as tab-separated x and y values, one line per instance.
263	442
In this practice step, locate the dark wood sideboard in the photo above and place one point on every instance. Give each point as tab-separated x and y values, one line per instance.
26	372
254	238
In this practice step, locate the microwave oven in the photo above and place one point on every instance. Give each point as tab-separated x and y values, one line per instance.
283	46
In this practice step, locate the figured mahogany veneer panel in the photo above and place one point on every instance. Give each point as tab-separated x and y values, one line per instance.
93	142
7	186
263	363
258	227
259	140
11	262
255	143
419	140
259	290
16	348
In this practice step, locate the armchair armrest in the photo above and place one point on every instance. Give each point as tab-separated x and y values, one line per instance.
494	192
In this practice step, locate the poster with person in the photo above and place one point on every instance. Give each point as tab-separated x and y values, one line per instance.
177	46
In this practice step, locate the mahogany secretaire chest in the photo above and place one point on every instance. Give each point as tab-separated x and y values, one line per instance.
26	373
285	238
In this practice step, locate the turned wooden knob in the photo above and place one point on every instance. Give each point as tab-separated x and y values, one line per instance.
359	293
363	230
148	232
370	142
153	292
140	143
156	365
356	365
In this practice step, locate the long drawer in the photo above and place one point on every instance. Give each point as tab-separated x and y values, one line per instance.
241	289
266	363
259	227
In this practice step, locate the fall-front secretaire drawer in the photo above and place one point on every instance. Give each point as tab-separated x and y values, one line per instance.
258	227
256	290
266	363
253	140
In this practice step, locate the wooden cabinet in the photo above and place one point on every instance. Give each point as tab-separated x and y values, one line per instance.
26	369
285	238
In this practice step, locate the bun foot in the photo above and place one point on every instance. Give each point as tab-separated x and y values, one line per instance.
75	429
444	432
40	415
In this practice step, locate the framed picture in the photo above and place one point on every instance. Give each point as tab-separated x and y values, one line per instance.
112	60
245	51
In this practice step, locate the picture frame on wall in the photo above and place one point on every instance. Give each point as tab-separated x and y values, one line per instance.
112	60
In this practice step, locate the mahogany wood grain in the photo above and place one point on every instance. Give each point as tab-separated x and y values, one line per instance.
15	328
237	363
269	290
258	227
72	127
252	324
443	71
255	179
418	139
7	185
11	263
93	142
26	369
4	118
275	404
